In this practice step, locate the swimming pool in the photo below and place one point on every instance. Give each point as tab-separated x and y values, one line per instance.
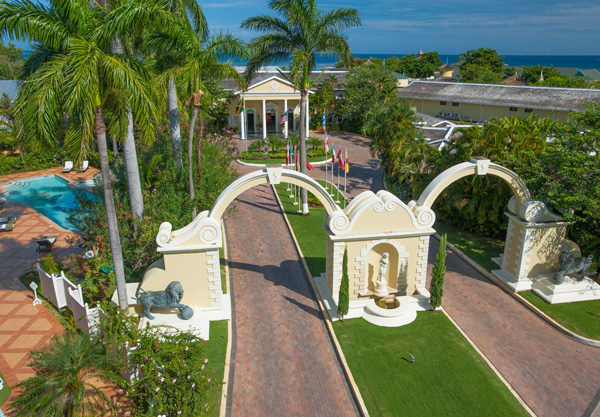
48	194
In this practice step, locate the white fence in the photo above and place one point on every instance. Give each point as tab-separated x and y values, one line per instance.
63	293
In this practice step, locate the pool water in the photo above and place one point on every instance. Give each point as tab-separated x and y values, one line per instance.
48	194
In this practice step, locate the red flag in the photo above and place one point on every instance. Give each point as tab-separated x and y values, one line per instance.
308	165
341	160
333	154
287	153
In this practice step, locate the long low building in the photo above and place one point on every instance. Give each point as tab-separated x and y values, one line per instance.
480	102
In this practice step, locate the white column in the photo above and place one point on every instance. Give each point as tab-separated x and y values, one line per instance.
242	123
285	127
307	117
264	116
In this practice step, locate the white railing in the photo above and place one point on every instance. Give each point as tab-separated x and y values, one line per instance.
61	292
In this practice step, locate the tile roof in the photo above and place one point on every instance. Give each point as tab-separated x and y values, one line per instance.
340	75
502	95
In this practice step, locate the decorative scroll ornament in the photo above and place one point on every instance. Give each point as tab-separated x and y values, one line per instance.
425	216
209	232
533	212
338	222
164	234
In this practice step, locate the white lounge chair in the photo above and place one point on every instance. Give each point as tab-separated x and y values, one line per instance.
68	166
84	166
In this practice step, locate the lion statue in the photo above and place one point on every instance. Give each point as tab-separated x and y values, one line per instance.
169	298
569	264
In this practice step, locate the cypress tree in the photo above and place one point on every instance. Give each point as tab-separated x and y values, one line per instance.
437	278
344	301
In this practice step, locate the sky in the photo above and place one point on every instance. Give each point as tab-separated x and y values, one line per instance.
526	27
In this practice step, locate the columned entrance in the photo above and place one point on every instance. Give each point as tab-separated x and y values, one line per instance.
271	117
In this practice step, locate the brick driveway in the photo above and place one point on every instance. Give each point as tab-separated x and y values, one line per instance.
555	375
283	362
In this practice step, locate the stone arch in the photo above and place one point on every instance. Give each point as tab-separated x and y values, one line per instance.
273	176
477	166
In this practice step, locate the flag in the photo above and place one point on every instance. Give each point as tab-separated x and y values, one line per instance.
324	122
283	119
347	164
297	162
341	160
240	106
326	146
333	154
287	153
308	165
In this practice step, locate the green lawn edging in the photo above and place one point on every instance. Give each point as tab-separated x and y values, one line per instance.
5	391
448	377
582	317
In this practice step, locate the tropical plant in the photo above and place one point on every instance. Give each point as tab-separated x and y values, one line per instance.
314	143
344	298
68	372
436	288
275	143
300	32
83	80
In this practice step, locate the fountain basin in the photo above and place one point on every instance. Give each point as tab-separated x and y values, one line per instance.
404	313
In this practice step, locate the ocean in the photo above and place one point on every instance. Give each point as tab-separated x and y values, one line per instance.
576	61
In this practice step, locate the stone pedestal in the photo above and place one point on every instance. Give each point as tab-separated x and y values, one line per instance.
531	249
569	291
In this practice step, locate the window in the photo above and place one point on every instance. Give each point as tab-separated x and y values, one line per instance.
442	103
512	109
528	110
454	104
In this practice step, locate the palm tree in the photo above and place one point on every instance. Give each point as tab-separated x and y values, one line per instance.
300	33
68	370
197	60
80	79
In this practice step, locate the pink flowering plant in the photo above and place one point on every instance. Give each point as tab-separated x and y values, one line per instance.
171	374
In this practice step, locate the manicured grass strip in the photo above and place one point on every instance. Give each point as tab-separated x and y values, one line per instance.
582	317
216	351
5	391
222	265
309	230
269	161
448	378
480	249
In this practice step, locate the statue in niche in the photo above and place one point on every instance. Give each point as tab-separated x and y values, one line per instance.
381	288
569	264
169	298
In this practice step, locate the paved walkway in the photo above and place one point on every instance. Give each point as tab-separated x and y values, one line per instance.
555	375
283	362
24	327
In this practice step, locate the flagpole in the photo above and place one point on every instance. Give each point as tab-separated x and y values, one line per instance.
337	199
287	161
345	171
298	169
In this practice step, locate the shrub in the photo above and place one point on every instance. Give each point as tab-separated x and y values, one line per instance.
250	156
344	299
436	288
275	143
258	145
314	143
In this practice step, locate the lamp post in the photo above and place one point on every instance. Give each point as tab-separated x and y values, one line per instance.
34	287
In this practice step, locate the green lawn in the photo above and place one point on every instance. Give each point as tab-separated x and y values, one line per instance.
448	378
309	230
480	249
4	392
216	351
270	161
582	317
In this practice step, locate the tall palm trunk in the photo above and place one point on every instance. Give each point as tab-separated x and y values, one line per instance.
199	148
174	123
136	199
190	151
115	147
303	134
111	215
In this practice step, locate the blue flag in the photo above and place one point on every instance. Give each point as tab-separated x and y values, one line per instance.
324	118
